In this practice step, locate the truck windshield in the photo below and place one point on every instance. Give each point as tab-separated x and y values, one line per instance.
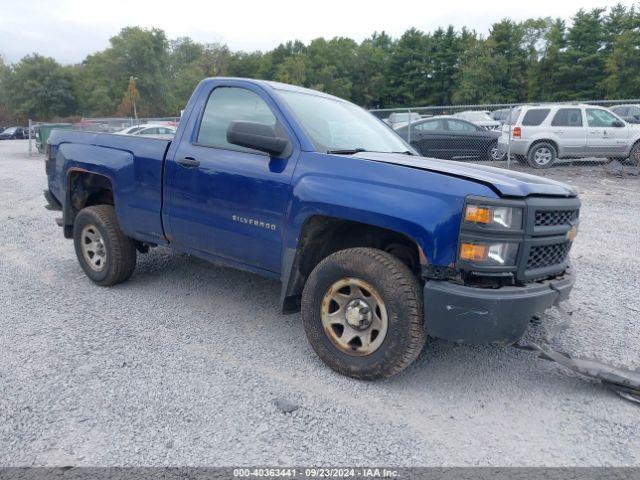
337	125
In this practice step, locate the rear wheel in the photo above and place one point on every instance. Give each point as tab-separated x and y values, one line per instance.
105	253
542	155
362	313
494	153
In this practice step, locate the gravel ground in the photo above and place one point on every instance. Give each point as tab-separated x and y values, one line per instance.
183	364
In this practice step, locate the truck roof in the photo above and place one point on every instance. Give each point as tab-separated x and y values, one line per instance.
275	86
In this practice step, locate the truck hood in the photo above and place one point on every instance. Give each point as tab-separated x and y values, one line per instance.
506	183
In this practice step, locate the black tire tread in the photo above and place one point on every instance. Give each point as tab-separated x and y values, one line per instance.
122	253
407	287
533	164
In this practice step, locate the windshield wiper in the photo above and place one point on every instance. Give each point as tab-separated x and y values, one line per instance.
352	151
406	152
347	151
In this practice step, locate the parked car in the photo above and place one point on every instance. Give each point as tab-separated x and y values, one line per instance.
158	131
376	246
397	120
130	130
452	138
501	115
543	133
150	130
13	133
480	118
629	113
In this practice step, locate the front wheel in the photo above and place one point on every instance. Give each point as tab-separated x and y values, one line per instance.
104	252
542	155
362	313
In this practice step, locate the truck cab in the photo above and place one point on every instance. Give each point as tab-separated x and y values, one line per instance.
376	246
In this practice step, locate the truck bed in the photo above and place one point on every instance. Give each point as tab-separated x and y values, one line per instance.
132	164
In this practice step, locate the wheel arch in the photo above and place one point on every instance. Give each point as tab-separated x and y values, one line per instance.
85	189
321	235
538	141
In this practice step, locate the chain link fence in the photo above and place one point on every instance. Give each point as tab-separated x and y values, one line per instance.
508	135
523	135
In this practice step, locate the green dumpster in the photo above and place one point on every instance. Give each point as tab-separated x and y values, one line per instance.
43	131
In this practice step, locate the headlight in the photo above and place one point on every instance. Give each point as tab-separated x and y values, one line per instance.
490	254
494	216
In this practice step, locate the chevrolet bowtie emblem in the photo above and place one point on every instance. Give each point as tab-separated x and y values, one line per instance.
572	233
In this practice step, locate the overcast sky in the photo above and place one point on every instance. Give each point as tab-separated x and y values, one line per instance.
68	30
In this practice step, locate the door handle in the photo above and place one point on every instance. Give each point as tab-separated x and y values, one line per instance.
188	162
558	131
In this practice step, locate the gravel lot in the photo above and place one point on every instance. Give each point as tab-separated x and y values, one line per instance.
182	364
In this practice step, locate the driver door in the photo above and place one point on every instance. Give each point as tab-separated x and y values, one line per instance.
224	200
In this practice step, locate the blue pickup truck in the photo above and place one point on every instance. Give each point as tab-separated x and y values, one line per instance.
376	246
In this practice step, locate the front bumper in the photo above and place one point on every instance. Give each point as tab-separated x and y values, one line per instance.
481	315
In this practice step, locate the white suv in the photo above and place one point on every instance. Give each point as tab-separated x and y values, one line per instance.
543	133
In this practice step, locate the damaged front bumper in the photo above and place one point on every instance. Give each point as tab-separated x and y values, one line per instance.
481	315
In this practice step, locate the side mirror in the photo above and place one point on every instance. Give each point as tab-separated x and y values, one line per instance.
258	136
617	124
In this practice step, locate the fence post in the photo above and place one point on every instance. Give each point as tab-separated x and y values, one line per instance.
509	139
29	137
409	126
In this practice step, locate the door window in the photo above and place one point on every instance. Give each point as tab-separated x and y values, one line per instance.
458	126
600	118
535	117
230	104
428	126
567	117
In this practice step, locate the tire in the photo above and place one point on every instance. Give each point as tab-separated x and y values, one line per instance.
395	299
542	155
96	230
634	155
494	154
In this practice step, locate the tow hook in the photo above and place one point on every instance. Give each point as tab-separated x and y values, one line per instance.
625	383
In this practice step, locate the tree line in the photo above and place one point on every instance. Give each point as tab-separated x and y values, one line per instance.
596	55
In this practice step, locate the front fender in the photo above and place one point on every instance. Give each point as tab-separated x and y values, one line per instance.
424	206
430	220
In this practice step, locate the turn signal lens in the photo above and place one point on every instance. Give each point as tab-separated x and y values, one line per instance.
490	254
494	216
517	132
473	253
477	214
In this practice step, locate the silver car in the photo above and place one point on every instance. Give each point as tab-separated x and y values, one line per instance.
540	134
480	118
